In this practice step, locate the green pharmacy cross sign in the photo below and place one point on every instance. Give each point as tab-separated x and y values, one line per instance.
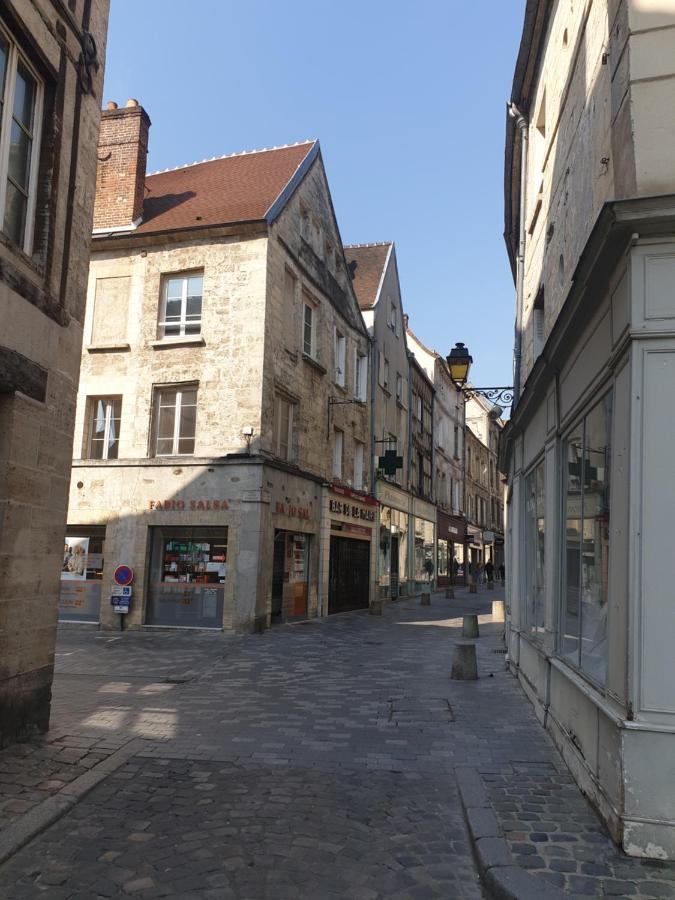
390	462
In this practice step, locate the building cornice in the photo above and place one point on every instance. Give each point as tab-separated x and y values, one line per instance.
620	223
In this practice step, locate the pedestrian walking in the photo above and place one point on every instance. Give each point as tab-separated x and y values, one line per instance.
502	573
490	570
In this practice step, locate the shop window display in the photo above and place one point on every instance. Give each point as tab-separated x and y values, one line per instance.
188	574
82	574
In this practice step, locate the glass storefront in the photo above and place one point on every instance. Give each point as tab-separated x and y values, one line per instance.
393	552
82	574
425	567
586	559
188	570
458	561
444	549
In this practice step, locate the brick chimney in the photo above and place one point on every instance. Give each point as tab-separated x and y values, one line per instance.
120	176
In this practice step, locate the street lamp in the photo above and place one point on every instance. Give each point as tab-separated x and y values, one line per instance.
459	362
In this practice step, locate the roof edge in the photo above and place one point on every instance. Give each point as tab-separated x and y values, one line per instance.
287	191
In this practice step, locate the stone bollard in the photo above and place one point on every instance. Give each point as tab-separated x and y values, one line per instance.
425	600
473	589
490	585
470	626
464	666
375	608
498	610
450	593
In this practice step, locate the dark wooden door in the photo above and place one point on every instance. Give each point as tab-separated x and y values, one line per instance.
349	573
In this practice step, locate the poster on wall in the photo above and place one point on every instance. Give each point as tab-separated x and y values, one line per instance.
75	552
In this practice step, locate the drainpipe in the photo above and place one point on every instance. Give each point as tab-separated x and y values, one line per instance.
522	124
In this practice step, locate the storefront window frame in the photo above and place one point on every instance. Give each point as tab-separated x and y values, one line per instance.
579	428
533	609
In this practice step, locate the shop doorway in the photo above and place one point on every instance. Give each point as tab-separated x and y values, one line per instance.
394	567
290	576
278	564
349	575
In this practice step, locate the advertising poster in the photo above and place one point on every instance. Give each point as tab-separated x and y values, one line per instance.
75	552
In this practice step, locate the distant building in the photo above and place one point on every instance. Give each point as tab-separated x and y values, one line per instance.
448	465
376	283
590	231
222	445
51	60
484	488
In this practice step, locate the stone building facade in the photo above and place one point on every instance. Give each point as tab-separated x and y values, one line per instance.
222	425
484	481
590	230
51	58
448	442
375	277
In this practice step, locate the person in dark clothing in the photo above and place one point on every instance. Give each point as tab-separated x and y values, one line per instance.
502	573
490	570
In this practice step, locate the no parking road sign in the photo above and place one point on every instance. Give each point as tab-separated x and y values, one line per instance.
123	575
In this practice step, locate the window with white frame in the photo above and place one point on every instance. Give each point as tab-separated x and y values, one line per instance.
587	454
533	547
359	453
360	376
283	427
308	326
103	437
392	318
175	411
21	97
399	387
338	441
340	356
181	313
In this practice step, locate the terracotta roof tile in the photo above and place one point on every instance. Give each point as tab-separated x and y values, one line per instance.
239	188
370	260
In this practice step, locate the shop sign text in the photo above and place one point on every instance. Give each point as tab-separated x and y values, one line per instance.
349	509
179	505
298	512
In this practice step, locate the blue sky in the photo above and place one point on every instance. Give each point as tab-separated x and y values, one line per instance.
408	101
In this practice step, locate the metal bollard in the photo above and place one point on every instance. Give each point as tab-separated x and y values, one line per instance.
464	667
425	600
470	626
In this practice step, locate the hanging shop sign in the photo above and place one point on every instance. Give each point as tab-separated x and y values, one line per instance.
181	505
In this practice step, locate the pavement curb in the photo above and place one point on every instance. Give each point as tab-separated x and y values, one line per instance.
503	879
20	832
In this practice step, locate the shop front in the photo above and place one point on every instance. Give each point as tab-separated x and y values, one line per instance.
351	519
190	536
393	542
82	574
450	552
295	525
188	569
475	551
423	546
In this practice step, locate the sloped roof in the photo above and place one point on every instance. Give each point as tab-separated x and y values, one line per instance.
231	189
370	261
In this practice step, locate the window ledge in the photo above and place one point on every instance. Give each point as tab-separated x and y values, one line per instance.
400	404
192	341
113	347
313	363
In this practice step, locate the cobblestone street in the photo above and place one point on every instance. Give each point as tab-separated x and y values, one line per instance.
315	760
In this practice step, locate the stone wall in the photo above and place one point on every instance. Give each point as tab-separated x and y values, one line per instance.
42	293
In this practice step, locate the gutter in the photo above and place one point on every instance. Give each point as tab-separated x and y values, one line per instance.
522	124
